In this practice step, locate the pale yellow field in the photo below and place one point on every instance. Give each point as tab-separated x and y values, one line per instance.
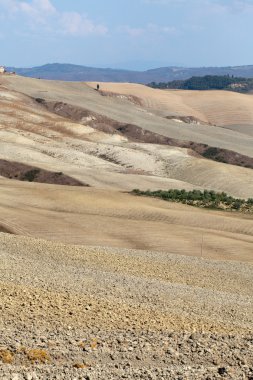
109	163
215	107
152	119
100	282
30	134
98	217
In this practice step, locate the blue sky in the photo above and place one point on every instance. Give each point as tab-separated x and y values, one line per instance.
126	33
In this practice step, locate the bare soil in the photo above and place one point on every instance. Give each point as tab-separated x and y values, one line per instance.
70	312
173	298
214	107
5	230
131	98
138	134
236	108
88	216
187	119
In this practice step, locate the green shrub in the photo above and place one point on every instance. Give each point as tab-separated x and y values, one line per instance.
205	199
30	175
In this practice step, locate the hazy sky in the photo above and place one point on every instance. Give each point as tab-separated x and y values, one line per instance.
126	33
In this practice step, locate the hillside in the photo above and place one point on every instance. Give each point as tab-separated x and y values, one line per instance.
217	108
90	143
104	141
108	218
68	72
99	283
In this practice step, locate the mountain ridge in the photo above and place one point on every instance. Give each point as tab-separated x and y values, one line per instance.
71	72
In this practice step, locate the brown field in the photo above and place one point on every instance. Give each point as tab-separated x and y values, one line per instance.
122	110
222	108
97	283
110	160
112	219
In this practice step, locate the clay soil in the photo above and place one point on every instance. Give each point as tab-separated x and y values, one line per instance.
70	312
137	134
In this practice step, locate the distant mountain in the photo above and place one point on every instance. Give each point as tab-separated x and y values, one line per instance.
70	72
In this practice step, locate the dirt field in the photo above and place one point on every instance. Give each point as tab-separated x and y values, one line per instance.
107	159
122	110
110	313
96	283
102	218
215	107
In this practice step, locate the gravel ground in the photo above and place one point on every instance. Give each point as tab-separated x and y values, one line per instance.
72	312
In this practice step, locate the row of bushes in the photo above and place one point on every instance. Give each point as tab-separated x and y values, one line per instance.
205	199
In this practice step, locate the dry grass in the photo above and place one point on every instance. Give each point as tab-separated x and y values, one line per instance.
80	365
38	356
6	356
81	345
216	107
94	344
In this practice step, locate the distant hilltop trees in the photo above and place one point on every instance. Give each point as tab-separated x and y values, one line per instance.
208	82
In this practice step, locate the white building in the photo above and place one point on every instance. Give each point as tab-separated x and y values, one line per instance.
2	70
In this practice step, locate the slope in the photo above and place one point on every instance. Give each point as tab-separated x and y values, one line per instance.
220	108
98	217
105	160
124	111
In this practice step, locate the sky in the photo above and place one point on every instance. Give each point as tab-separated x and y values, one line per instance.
131	34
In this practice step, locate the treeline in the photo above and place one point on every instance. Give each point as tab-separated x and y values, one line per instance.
205	199
208	82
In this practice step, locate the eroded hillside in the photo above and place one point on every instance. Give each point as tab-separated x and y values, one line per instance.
99	147
100	283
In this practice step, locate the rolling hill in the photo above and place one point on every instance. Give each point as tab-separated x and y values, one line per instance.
69	72
98	283
89	142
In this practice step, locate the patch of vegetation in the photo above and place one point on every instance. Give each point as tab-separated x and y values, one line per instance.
38	356
6	356
209	82
80	366
94	344
40	100
30	175
211	152
216	154
204	199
